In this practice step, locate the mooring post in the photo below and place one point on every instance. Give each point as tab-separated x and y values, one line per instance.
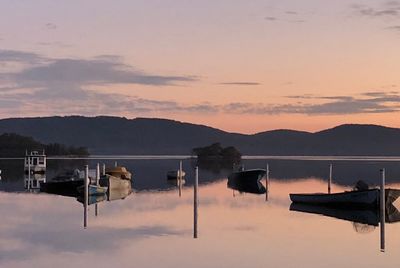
267	184
180	178
382	204
86	195
29	172
97	174
330	178
195	201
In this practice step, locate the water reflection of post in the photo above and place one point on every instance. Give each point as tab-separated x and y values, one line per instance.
382	210
97	183
195	202
180	179
86	193
330	178
29	173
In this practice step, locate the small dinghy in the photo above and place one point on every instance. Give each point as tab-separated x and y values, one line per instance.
360	196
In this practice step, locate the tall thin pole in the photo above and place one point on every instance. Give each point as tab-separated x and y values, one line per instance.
97	174
104	169
195	201
382	209
97	183
29	172
267	184
180	178
330	178
86	193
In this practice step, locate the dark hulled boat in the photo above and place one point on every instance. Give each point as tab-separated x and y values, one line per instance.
248	181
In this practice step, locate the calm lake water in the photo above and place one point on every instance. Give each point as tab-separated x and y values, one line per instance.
154	225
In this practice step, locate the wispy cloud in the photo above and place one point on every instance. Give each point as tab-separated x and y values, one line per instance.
241	83
68	86
50	26
386	9
269	18
20	56
388	12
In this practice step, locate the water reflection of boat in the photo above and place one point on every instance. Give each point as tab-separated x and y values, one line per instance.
248	181
117	188
93	190
175	182
114	193
33	181
64	184
367	216
35	162
92	199
175	174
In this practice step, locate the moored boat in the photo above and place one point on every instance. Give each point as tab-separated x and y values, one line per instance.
249	175
248	181
355	198
119	172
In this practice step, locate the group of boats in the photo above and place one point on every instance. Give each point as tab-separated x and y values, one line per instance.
360	203
72	183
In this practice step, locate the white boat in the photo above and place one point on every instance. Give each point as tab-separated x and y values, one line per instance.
119	172
35	163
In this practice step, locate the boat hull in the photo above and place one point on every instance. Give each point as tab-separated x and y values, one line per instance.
368	198
247	181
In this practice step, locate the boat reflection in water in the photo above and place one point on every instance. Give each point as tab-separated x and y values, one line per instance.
248	181
364	219
32	182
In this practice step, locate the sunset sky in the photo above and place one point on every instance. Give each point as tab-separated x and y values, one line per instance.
244	66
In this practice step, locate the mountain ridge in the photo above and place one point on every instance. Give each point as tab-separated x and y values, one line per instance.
120	135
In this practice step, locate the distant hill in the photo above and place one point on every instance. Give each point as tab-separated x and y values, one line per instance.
116	135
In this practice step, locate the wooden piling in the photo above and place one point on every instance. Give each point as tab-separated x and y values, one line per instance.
180	179
86	196
97	174
382	205
195	202
267	184
330	178
29	172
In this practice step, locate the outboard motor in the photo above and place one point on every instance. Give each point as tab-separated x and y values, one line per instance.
361	186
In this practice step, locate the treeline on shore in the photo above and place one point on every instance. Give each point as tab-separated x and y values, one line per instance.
14	145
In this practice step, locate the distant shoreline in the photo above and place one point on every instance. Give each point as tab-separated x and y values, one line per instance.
245	157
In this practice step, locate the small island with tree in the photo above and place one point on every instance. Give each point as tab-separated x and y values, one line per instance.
217	157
